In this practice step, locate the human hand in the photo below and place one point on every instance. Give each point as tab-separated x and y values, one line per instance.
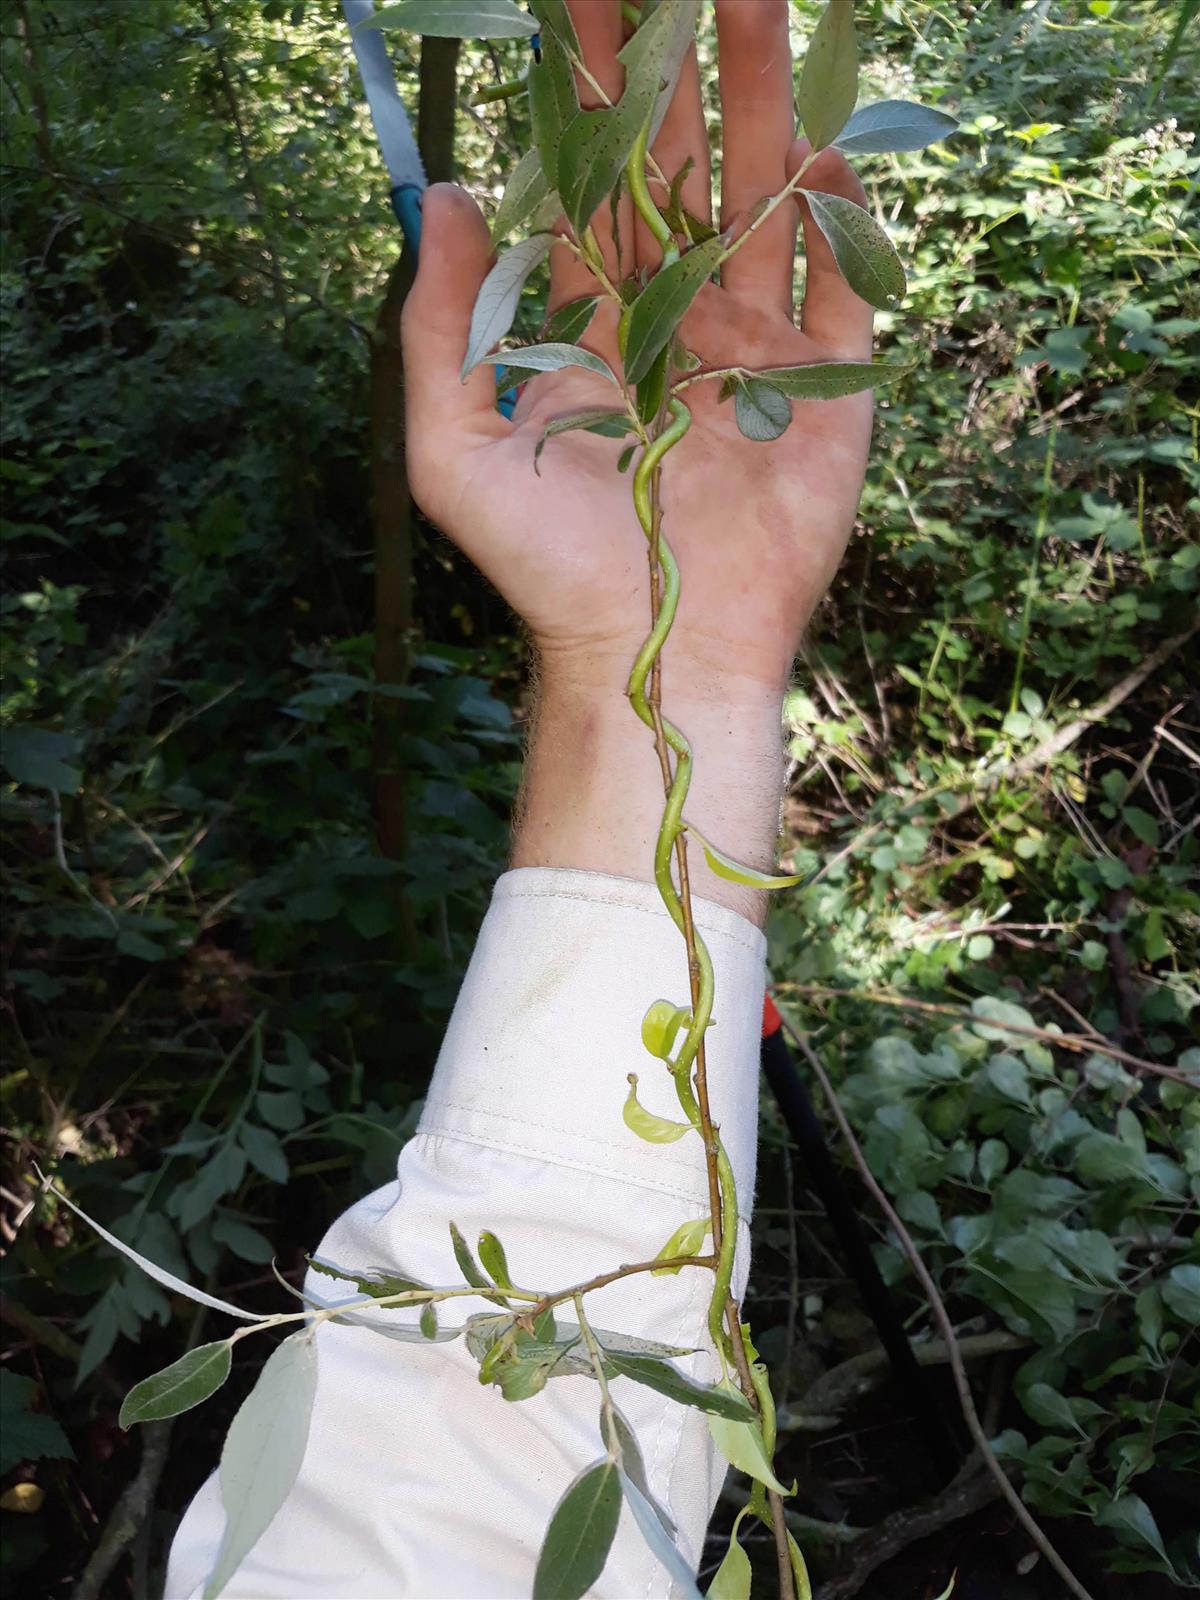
758	529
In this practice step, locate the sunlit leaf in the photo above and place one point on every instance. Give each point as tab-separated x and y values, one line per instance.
655	1130
829	380
829	77
551	358
580	1535
263	1451
687	1239
499	294
663	303
179	1387
762	412
735	872
865	255
893	125
457	19
733	1577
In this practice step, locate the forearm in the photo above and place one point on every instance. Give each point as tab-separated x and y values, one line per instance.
593	791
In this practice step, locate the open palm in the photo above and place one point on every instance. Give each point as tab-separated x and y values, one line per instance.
758	528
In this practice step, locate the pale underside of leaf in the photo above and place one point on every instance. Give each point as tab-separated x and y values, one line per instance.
648	1516
457	19
763	413
263	1452
894	125
551	358
525	190
499	294
605	421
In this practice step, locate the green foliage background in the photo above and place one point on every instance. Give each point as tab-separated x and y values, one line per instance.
214	985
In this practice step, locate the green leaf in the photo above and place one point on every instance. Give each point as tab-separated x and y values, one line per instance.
25	1434
724	1403
570	321
263	1452
466	1265
378	1285
761	411
733	1577
609	423
655	1130
179	1387
524	192
893	125
551	358
41	759
802	1579
622	1442
865	255
829	78
662	305
741	1443
496	303
493	1260
829	380
247	1243
660	51
1181	1292
265	1152
553	102
580	1535
660	1026
428	1322
457	19
1131	1516
687	1239
734	872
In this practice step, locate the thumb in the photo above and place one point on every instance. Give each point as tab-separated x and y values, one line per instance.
833	315
443	414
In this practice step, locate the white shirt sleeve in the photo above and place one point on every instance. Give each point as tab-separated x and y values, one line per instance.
417	1481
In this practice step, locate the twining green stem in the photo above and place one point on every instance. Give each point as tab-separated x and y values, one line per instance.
635	176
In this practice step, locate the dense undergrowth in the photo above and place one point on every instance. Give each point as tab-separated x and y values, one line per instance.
214	983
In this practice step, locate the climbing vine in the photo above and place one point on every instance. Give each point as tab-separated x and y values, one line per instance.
580	161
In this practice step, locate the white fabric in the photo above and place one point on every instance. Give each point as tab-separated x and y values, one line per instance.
418	1482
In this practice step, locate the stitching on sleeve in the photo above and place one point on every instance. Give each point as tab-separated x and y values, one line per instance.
548	1127
754	945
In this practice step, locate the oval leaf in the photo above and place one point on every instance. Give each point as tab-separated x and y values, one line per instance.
580	1535
457	19
494	1261
655	1130
660	1026
524	192
663	303
179	1387
496	303
734	872
263	1452
829	380
893	125
570	321
763	413
733	1576
741	1443
829	78
553	103
550	358
865	255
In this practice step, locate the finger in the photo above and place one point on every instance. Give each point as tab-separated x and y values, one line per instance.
598	27
683	137
758	123
442	412
833	315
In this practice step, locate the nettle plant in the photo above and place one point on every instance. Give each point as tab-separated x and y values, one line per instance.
580	162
